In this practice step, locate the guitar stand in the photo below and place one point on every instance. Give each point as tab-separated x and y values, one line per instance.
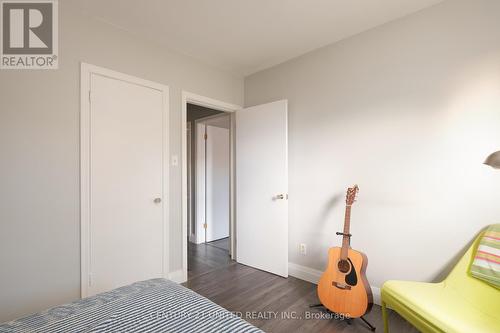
348	320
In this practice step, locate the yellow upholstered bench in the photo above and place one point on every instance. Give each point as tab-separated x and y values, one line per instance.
460	303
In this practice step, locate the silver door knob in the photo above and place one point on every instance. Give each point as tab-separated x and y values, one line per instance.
280	196
157	200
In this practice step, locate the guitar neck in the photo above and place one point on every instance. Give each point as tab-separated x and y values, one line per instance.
345	238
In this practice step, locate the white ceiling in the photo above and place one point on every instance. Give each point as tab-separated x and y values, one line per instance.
245	36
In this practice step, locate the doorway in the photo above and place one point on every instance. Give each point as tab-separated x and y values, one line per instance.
208	174
216	243
258	190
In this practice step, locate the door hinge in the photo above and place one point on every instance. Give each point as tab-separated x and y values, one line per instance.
204	225
90	96
205	136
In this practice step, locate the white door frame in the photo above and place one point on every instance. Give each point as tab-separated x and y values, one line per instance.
86	71
196	122
214	104
195	193
189	175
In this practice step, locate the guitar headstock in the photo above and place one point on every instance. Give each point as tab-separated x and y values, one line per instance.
351	195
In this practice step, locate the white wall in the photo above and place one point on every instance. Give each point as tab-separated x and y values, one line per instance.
409	111
39	152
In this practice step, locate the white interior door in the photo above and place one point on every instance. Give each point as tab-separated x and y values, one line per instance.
126	184
217	182
262	186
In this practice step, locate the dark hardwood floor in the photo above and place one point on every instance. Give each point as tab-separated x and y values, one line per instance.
222	244
265	300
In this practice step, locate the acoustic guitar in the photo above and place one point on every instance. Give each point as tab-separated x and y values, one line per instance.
343	287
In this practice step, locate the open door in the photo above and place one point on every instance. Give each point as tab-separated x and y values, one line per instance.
262	186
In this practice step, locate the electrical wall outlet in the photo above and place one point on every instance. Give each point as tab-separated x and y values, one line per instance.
303	249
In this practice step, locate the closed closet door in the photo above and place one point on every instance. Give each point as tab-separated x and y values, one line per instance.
126	195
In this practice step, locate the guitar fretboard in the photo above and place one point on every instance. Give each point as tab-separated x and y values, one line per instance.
345	238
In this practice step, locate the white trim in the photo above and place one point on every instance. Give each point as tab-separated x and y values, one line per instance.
304	273
191	98
232	190
177	276
209	102
188	175
199	234
84	178
313	275
192	239
376	295
86	70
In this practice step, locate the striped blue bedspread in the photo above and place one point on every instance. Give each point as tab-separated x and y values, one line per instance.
156	305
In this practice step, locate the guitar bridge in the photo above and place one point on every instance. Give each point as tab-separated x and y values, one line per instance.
341	285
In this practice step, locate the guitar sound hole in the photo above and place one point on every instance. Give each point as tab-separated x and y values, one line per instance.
344	266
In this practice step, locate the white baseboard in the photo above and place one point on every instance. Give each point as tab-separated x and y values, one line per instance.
313	275
304	273
376	295
192	238
177	276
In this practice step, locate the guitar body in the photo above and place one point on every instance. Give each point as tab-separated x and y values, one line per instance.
343	287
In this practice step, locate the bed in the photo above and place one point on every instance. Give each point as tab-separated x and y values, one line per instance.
156	305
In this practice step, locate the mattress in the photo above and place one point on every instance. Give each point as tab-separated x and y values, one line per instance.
156	305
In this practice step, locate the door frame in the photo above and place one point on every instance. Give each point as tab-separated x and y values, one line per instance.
189	175
196	122
194	194
191	98
86	71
